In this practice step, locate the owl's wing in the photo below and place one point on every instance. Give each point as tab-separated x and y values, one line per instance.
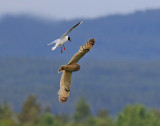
65	84
83	50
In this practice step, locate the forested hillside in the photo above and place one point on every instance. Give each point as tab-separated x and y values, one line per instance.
123	67
132	36
109	85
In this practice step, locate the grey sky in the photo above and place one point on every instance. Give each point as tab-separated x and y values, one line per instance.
70	9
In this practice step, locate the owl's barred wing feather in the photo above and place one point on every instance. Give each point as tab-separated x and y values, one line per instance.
65	82
83	50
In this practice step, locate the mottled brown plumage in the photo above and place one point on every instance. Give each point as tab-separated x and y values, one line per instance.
72	66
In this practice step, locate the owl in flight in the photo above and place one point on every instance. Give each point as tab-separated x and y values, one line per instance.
72	66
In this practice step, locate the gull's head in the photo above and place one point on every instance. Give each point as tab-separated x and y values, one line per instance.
69	38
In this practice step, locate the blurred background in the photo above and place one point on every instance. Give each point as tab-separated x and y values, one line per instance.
119	80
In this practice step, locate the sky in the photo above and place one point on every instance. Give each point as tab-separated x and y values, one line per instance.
72	9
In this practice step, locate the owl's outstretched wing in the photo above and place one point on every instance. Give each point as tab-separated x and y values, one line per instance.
83	50
65	82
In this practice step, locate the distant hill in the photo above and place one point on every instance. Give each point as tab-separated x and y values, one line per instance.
132	36
118	73
105	85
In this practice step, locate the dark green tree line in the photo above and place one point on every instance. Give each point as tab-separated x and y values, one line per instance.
32	114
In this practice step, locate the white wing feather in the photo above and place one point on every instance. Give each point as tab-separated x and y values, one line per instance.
55	41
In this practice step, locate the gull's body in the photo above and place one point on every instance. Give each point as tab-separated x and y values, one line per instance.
63	39
60	42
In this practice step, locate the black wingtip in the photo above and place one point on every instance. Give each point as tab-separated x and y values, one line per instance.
80	22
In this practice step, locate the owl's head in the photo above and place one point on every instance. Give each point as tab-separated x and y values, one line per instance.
63	94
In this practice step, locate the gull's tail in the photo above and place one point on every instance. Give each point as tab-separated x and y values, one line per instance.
53	48
51	43
55	41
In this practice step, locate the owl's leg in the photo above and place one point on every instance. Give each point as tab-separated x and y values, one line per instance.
64	47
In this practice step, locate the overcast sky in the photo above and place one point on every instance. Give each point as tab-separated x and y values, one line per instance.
71	9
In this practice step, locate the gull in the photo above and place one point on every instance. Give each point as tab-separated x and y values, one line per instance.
72	66
63	39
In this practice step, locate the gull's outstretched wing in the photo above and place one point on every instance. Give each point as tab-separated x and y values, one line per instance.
72	29
83	50
65	82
